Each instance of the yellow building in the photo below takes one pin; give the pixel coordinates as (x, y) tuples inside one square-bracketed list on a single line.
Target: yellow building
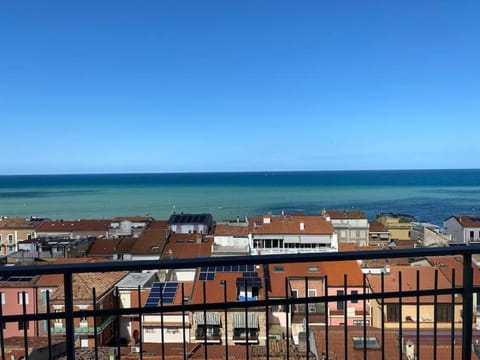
[(398, 225)]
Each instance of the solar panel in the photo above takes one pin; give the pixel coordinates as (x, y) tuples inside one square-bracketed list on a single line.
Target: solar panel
[(210, 276), (162, 293)]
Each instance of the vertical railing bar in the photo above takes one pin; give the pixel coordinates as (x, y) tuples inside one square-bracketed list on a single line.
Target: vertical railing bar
[(162, 287), (118, 321), (435, 313), (382, 305), (69, 321), (452, 323), (204, 325), (267, 313), (49, 330), (226, 315), (287, 314), (364, 317), (400, 323), (307, 325), (183, 323), (467, 306), (327, 325), (95, 335), (140, 321), (417, 342), (25, 324), (345, 318), (246, 318), (2, 324)]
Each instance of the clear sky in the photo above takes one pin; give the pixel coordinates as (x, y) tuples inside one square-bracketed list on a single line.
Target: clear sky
[(155, 86)]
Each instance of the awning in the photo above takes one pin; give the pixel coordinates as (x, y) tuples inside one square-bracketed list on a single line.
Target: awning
[(239, 321), (212, 318)]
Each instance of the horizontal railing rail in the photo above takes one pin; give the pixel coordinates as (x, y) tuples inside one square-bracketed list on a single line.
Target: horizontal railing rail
[(69, 315)]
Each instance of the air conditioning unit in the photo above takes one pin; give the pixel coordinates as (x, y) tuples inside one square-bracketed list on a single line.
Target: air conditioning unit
[(135, 349)]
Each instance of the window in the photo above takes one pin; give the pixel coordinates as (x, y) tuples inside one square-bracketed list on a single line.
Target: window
[(278, 268), (10, 238), (354, 292), (471, 235), (369, 343), (2, 296), (294, 293), (393, 312), (22, 325), (340, 303), (58, 321), (361, 323), (11, 248), (312, 292), (312, 269), (20, 298), (444, 312)]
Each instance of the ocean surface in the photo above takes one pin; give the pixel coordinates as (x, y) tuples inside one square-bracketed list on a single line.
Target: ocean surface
[(429, 195)]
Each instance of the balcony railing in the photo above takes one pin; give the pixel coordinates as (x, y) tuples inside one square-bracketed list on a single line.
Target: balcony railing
[(312, 343)]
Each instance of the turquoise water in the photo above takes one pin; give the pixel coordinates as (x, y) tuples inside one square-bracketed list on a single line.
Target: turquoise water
[(430, 195)]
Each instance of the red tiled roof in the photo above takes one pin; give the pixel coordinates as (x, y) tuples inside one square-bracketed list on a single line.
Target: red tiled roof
[(230, 230), (468, 220), (376, 226), (336, 342), (18, 223), (336, 270), (152, 240), (103, 247), (290, 224), (74, 225), (409, 283), (183, 246)]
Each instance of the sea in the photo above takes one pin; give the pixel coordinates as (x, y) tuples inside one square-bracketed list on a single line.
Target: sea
[(428, 195)]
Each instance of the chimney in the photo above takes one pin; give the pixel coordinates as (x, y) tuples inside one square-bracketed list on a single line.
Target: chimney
[(302, 226)]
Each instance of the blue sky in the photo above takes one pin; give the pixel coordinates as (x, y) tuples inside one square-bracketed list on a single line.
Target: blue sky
[(155, 86)]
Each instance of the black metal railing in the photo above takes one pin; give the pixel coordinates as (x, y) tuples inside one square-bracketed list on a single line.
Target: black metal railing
[(458, 333)]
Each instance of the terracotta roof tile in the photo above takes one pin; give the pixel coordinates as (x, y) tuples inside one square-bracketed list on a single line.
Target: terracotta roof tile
[(74, 225), (409, 283), (18, 223), (376, 226), (83, 283), (152, 240), (336, 342), (103, 247), (290, 224), (231, 230), (183, 246), (468, 220)]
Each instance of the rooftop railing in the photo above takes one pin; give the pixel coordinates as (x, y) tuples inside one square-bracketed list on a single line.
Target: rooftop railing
[(408, 329)]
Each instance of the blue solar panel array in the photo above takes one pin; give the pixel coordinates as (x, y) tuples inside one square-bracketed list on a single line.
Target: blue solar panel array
[(162, 291), (207, 273)]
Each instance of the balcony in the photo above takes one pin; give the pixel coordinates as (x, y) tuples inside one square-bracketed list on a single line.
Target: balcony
[(391, 331)]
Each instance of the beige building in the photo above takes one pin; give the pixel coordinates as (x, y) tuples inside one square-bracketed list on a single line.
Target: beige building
[(399, 226), (13, 230), (406, 313), (350, 226)]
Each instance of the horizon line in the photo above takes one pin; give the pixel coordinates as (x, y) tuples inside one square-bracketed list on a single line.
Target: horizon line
[(237, 172)]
